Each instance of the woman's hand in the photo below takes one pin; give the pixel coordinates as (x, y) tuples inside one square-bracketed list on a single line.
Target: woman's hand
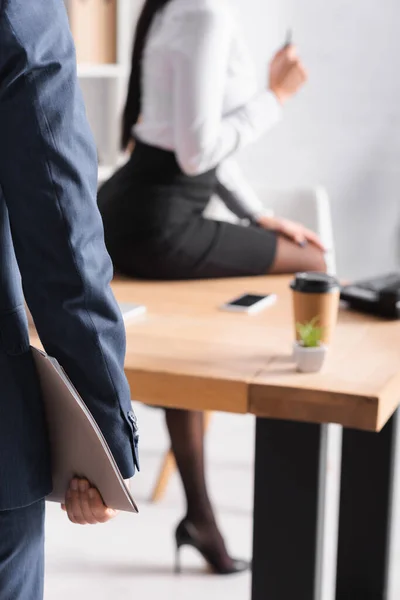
[(287, 74), (292, 230), (84, 505)]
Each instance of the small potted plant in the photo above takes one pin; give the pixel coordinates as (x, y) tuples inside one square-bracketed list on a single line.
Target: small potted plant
[(309, 351)]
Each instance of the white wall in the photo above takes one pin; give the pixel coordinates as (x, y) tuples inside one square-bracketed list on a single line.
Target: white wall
[(343, 130)]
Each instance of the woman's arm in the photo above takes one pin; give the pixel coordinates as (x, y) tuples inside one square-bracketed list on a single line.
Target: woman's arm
[(199, 63), (237, 194)]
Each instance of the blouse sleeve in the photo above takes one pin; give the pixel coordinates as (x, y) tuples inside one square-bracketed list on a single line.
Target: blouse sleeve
[(237, 194), (203, 136)]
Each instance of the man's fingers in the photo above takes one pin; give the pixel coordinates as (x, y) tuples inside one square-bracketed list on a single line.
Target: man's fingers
[(68, 508), (85, 502), (76, 509), (73, 503), (100, 512)]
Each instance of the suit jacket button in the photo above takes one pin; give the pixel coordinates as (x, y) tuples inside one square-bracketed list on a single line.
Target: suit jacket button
[(133, 419)]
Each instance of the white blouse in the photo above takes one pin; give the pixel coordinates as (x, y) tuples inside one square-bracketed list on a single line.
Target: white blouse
[(200, 97)]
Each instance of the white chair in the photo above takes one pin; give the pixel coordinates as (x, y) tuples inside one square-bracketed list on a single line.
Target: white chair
[(309, 206)]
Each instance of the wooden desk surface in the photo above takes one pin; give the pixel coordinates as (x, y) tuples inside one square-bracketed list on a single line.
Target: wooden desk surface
[(187, 353)]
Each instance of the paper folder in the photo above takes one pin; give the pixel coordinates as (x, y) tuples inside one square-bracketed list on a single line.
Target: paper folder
[(78, 447)]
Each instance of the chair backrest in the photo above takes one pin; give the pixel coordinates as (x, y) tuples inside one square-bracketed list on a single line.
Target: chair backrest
[(309, 206)]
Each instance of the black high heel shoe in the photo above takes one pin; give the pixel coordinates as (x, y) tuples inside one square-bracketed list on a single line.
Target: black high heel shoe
[(186, 534)]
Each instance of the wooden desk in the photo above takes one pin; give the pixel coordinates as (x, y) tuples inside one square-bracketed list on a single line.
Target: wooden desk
[(186, 353)]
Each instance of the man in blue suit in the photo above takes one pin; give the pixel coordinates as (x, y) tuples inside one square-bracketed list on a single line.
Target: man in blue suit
[(52, 254)]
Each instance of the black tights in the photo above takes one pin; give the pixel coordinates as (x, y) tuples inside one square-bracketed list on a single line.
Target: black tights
[(186, 430)]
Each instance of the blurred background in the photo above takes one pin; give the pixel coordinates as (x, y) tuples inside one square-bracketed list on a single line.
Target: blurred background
[(342, 131)]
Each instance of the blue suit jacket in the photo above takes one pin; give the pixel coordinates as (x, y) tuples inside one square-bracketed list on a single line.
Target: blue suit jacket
[(51, 251)]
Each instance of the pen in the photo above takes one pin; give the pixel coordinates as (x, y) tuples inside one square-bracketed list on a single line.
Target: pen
[(289, 38)]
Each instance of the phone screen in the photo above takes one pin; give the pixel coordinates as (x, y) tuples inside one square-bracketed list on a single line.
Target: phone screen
[(247, 300)]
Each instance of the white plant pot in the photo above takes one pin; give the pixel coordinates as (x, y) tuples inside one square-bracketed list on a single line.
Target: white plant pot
[(309, 360)]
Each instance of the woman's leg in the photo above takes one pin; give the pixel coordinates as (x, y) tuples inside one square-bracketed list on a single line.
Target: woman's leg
[(186, 430), (292, 258)]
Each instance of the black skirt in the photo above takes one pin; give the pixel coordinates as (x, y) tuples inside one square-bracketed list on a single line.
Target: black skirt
[(155, 229)]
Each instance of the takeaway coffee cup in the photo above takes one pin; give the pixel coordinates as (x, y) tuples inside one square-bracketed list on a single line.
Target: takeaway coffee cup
[(316, 296)]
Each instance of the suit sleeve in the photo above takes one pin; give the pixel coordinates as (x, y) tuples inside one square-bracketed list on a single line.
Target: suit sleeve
[(48, 174)]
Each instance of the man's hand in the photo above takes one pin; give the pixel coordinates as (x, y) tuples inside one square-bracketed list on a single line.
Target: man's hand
[(84, 505)]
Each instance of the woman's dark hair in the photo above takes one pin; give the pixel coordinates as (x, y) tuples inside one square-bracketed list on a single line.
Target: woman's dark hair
[(133, 101)]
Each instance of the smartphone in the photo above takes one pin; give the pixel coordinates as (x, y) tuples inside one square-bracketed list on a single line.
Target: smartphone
[(250, 303)]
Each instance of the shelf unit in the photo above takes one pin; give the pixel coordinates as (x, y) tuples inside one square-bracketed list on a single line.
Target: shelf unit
[(104, 89)]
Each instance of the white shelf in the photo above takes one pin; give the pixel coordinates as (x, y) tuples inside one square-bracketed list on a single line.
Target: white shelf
[(104, 90), (111, 71)]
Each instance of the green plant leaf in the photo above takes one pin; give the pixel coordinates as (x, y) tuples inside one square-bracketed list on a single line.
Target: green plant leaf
[(309, 334)]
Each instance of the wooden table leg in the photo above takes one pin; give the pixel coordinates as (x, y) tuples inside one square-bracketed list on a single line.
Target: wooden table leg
[(166, 471), (365, 557), (286, 508)]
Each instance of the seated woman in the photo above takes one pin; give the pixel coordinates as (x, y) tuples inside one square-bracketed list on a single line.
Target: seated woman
[(193, 85)]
